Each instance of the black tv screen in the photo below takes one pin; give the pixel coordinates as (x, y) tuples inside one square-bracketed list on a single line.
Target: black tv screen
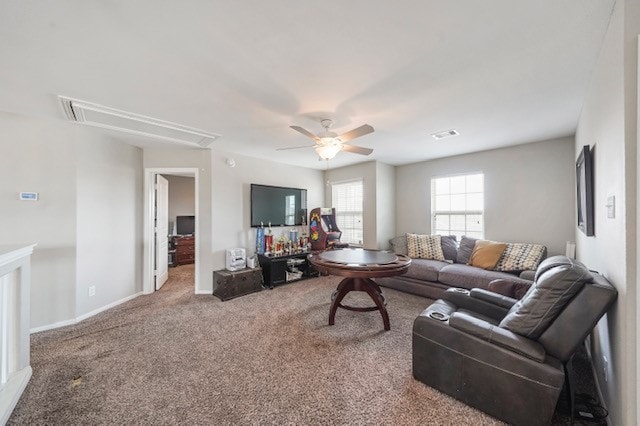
[(185, 225), (277, 205)]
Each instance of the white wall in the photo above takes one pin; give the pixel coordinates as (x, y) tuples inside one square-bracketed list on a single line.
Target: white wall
[(182, 197), (529, 192), (109, 222), (230, 201), (607, 124), (200, 159)]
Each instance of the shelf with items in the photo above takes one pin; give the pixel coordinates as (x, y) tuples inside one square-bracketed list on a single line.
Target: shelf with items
[(278, 270)]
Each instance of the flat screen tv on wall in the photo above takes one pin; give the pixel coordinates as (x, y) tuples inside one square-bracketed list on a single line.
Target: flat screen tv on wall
[(584, 183), (277, 205)]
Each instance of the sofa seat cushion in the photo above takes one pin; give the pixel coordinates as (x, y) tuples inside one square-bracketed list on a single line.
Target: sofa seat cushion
[(465, 276), (425, 269)]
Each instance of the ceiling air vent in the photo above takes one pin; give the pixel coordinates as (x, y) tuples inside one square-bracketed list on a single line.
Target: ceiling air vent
[(447, 134), (111, 118)]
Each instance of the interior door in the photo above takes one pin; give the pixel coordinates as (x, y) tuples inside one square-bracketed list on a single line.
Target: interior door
[(161, 231)]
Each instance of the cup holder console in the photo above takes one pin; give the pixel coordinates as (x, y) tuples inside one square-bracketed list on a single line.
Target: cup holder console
[(438, 316), (461, 290)]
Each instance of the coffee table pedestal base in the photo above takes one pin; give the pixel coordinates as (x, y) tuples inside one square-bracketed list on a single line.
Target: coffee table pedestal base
[(359, 284)]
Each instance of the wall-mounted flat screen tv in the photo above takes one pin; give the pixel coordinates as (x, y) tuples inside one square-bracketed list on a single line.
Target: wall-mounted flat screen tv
[(277, 205)]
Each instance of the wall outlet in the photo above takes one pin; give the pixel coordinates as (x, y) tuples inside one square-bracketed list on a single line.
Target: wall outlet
[(92, 291), (605, 368)]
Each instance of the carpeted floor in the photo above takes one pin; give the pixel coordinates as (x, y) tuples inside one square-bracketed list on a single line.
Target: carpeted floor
[(266, 358)]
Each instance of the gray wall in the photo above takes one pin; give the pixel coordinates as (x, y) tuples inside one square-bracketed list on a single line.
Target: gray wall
[(109, 223), (86, 222), (200, 159), (182, 197), (385, 204), (608, 124), (39, 156), (231, 202), (366, 172), (529, 192), (378, 181)]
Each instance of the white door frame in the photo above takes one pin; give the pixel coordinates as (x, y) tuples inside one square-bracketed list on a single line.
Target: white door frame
[(150, 173)]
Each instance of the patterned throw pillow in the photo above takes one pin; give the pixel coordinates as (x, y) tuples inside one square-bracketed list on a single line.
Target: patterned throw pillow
[(521, 257), (425, 247)]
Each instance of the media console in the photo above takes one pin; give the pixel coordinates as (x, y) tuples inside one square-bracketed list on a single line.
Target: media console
[(278, 270)]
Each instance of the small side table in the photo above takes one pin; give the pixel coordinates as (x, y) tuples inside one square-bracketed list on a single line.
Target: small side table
[(230, 284)]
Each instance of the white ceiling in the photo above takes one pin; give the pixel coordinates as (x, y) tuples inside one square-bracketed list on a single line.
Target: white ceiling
[(501, 72)]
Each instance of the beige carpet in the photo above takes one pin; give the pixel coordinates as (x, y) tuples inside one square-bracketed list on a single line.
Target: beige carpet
[(266, 358)]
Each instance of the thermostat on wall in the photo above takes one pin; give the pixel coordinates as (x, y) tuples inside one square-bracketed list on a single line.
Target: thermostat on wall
[(29, 196)]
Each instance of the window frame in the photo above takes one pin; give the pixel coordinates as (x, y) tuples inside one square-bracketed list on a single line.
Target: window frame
[(339, 213), (450, 212)]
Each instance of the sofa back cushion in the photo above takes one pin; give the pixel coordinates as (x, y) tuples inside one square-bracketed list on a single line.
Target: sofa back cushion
[(465, 249), (521, 257), (558, 279), (486, 254), (449, 247), (425, 246), (399, 245)]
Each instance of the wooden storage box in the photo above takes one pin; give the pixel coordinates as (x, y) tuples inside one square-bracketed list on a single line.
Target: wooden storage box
[(227, 284)]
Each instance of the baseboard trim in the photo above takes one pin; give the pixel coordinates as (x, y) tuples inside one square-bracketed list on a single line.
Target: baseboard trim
[(587, 347), (84, 316), (209, 292)]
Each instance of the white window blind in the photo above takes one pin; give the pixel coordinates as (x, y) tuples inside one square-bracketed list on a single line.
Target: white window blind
[(347, 199), (457, 205)]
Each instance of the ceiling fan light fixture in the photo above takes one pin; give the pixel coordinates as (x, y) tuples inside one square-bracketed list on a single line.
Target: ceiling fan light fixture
[(327, 152)]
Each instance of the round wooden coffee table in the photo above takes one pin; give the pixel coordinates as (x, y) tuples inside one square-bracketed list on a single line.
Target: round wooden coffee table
[(359, 266)]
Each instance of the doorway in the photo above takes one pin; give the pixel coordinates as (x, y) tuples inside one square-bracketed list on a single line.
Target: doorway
[(151, 198)]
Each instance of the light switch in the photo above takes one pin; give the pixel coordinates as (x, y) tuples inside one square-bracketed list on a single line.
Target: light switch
[(611, 207)]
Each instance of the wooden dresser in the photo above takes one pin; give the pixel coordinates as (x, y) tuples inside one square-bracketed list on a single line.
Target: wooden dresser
[(185, 249)]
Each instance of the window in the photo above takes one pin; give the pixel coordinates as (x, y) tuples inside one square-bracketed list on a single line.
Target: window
[(289, 209), (457, 205), (347, 199)]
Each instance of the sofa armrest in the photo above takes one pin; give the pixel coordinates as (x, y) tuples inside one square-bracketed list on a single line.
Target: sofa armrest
[(461, 298), (498, 336), (494, 298), (512, 289)]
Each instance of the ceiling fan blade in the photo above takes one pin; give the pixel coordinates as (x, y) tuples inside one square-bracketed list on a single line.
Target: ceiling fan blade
[(356, 133), (305, 132), (356, 149), (295, 147)]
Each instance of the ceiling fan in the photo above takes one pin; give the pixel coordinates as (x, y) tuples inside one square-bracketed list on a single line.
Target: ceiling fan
[(328, 143)]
